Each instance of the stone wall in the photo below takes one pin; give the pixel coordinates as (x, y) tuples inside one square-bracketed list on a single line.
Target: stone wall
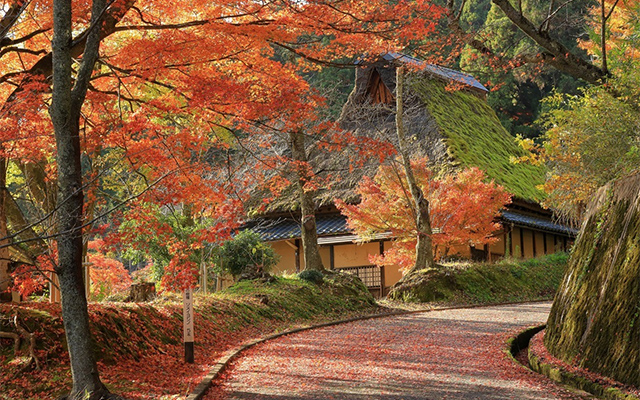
[(595, 319)]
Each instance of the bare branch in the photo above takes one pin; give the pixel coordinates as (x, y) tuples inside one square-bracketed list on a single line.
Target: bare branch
[(11, 42), (545, 24), (11, 17), (21, 50)]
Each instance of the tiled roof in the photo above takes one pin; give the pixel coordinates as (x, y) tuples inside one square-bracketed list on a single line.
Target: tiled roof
[(336, 224), (443, 72), (539, 223), (287, 228)]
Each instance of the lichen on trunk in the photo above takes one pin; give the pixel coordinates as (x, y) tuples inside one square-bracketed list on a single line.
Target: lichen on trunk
[(595, 319), (4, 249), (424, 245), (312, 259)]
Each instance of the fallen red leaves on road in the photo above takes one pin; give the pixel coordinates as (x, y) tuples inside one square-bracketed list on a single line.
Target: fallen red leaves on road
[(455, 354)]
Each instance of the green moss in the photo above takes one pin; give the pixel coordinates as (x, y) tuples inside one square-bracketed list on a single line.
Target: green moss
[(561, 375), (475, 137), (593, 322)]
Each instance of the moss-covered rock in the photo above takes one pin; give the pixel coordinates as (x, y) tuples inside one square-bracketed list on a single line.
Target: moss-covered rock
[(595, 319), (423, 286)]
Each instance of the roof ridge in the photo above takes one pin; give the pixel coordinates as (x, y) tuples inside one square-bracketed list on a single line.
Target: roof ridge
[(443, 72)]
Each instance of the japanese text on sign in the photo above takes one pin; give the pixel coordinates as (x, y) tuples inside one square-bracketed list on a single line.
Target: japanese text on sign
[(187, 313)]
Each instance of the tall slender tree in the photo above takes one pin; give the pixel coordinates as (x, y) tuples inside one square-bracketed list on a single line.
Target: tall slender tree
[(424, 243), (67, 98), (308, 229)]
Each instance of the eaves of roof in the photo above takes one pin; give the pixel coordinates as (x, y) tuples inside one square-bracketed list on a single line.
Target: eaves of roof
[(287, 228), (538, 223), (332, 228)]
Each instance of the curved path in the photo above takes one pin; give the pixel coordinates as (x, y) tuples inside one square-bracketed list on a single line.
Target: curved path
[(449, 354)]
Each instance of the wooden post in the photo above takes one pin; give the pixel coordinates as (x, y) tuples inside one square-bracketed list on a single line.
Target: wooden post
[(187, 323), (505, 242), (87, 277), (297, 243), (382, 277), (332, 257), (533, 234), (54, 288)]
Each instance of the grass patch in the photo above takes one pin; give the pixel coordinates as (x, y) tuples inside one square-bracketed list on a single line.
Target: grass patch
[(483, 283), (139, 346)]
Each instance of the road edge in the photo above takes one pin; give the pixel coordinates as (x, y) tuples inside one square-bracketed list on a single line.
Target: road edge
[(558, 374)]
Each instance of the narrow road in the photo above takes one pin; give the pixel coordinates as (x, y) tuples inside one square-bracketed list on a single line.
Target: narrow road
[(451, 354)]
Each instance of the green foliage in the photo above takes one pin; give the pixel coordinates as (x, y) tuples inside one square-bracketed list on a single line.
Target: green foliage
[(334, 84), (150, 238), (591, 139), (311, 275), (246, 253), (475, 137), (483, 283), (517, 92)]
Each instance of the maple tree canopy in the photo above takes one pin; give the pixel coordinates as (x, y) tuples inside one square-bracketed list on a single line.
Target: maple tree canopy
[(462, 206), (174, 84)]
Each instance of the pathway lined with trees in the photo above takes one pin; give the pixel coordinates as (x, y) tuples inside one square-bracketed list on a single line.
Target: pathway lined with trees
[(449, 354)]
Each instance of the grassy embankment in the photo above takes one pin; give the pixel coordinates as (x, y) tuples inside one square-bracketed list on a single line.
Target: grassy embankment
[(483, 283)]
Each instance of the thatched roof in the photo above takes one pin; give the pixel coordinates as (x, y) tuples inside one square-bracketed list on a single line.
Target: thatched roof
[(452, 127)]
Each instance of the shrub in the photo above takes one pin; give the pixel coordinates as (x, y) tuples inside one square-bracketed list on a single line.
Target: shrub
[(311, 275), (246, 254)]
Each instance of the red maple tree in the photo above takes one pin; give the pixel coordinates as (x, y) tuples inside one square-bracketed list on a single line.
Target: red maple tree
[(463, 208)]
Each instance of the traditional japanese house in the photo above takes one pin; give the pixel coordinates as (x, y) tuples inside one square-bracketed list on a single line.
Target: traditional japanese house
[(450, 122)]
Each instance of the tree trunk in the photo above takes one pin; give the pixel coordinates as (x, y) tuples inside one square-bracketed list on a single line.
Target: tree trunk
[(65, 114), (312, 258), (424, 245), (142, 292), (4, 249)]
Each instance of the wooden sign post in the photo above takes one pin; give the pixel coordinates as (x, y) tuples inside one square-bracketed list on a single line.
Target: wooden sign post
[(187, 322)]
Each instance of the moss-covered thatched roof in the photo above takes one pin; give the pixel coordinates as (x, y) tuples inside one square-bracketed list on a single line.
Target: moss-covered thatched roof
[(453, 127), (474, 136)]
